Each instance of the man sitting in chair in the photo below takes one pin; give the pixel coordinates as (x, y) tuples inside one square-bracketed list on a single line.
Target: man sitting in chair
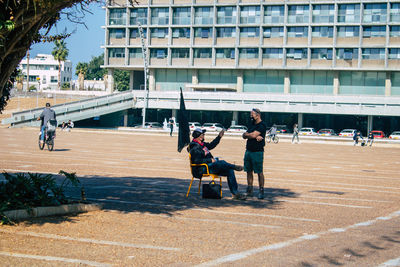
[(200, 153)]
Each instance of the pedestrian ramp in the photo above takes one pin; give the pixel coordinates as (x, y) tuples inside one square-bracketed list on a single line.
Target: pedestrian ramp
[(78, 110)]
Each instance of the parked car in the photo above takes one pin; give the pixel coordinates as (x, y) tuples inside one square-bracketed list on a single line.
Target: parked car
[(307, 131), (326, 132), (282, 129), (212, 127), (152, 125), (395, 135), (237, 129), (348, 132), (378, 134), (194, 125)]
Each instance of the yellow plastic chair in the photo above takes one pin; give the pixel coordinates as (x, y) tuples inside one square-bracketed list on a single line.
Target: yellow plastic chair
[(207, 174)]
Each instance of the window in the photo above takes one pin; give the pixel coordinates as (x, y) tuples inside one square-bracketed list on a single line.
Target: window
[(299, 32), (117, 16), (323, 13), (273, 32), (159, 33), (374, 31), (135, 33), (203, 32), (117, 33), (181, 16), (394, 53), (159, 53), (375, 12), (296, 53), (348, 31), (273, 53), (227, 53), (250, 14), (203, 15), (116, 52), (321, 53), (53, 79), (135, 53), (226, 15), (138, 15), (394, 31), (248, 53), (274, 14), (160, 16), (298, 14), (347, 53), (349, 13), (249, 32), (395, 12), (226, 32), (180, 52), (181, 33), (373, 53), (322, 32), (202, 53)]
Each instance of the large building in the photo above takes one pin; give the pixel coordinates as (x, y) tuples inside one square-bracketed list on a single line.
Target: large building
[(43, 72), (297, 48)]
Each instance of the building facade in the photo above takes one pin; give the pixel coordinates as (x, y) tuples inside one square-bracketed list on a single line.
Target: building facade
[(330, 48), (43, 72)]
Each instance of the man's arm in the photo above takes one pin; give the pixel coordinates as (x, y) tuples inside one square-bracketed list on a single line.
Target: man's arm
[(252, 135), (214, 142)]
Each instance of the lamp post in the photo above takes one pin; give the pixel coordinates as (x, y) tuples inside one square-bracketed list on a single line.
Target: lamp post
[(37, 93), (146, 75)]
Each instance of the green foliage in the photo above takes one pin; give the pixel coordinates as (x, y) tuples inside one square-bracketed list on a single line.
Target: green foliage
[(94, 71), (66, 86), (121, 78), (21, 191), (81, 68), (32, 88)]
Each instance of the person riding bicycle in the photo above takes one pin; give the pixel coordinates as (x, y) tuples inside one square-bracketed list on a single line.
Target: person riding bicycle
[(272, 132), (46, 116)]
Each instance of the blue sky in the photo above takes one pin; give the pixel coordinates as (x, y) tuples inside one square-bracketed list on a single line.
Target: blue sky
[(84, 43)]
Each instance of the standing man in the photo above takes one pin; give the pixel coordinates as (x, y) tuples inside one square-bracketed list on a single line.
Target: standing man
[(254, 155), (47, 115), (171, 126), (370, 138), (295, 133)]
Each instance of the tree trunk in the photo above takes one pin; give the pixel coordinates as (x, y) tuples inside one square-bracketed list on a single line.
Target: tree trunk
[(59, 75)]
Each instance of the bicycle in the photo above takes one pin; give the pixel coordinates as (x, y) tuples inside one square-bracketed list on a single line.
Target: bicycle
[(270, 138), (49, 136)]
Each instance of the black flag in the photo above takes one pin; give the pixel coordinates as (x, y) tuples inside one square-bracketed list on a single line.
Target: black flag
[(184, 132)]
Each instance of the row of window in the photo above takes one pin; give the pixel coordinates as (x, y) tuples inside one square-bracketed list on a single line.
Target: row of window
[(320, 13), (43, 80), (268, 32), (268, 53)]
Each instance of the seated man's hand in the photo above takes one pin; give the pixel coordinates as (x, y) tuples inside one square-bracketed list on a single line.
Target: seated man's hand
[(221, 133), (213, 160), (259, 138)]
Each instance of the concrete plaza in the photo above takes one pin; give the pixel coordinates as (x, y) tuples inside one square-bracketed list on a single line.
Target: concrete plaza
[(326, 204)]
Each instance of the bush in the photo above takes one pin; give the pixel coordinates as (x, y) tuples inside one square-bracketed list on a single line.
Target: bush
[(21, 191)]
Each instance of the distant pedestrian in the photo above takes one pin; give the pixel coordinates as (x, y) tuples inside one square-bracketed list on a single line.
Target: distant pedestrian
[(370, 138), (69, 126), (356, 137), (171, 126), (295, 133)]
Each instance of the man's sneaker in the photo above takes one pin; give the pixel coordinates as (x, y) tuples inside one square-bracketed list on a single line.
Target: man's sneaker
[(261, 194), (249, 191), (239, 196), (238, 168)]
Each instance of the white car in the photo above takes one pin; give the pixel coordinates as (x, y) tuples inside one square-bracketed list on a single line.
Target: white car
[(213, 127), (348, 132), (307, 131), (194, 125), (395, 135), (237, 129)]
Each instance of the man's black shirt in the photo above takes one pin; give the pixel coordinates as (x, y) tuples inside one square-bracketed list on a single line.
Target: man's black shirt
[(252, 144)]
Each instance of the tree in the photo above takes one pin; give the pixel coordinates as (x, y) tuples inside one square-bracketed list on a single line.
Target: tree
[(60, 53), (94, 69), (81, 68), (23, 23)]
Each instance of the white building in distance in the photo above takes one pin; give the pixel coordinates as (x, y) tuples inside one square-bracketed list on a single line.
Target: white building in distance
[(43, 72)]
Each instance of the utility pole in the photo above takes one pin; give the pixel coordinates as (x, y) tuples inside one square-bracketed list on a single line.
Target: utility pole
[(146, 74), (27, 73)]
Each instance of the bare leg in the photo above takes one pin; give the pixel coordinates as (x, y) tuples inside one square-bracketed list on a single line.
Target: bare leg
[(260, 180), (249, 191)]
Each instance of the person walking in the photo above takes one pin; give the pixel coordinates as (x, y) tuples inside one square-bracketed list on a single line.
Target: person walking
[(254, 154), (295, 133), (171, 126)]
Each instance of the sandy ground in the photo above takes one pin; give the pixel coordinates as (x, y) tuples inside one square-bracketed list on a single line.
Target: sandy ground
[(325, 205)]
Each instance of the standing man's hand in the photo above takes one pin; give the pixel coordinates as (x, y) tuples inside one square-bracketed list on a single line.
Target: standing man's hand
[(259, 138), (221, 133)]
